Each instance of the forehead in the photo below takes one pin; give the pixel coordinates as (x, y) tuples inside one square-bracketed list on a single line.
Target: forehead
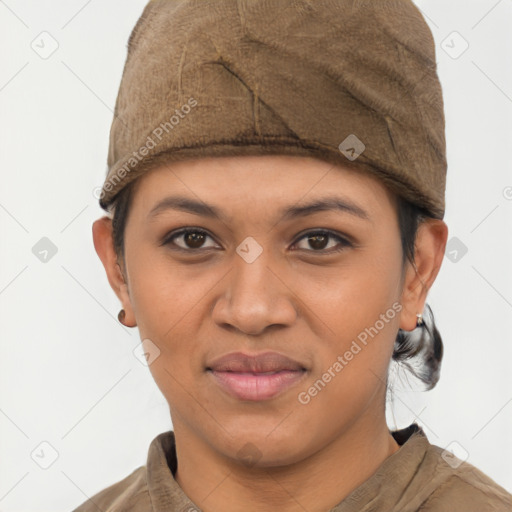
[(238, 184)]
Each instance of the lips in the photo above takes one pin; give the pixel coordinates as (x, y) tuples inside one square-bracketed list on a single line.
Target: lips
[(255, 377), (260, 363)]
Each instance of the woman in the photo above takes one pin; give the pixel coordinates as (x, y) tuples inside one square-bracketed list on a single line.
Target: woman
[(276, 194)]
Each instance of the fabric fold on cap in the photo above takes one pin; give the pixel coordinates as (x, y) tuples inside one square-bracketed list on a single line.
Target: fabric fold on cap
[(350, 82)]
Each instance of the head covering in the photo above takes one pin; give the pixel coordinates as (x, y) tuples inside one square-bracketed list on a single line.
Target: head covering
[(351, 82)]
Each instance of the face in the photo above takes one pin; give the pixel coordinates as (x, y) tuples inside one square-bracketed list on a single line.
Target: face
[(269, 293)]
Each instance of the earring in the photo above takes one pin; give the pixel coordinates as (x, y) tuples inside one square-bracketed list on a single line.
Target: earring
[(121, 316), (419, 321)]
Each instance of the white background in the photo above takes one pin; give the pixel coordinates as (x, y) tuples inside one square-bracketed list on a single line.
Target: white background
[(67, 372)]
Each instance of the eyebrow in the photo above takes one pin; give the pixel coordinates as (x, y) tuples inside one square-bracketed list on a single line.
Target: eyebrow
[(331, 203)]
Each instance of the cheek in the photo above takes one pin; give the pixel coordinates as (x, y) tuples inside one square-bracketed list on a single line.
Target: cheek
[(352, 297), (169, 306), (353, 357), (359, 309), (162, 292)]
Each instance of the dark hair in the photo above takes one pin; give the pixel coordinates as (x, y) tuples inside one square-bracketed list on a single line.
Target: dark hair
[(420, 351)]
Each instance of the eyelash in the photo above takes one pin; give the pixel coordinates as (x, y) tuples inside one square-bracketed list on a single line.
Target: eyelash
[(168, 240)]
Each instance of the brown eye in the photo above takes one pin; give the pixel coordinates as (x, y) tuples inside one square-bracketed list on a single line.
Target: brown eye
[(194, 239), (319, 240), (190, 239)]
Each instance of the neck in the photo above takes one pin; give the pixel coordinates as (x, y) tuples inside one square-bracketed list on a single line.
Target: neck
[(217, 483)]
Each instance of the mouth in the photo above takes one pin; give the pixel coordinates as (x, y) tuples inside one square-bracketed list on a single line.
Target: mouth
[(256, 377)]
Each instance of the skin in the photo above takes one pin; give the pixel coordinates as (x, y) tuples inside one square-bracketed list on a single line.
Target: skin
[(297, 298)]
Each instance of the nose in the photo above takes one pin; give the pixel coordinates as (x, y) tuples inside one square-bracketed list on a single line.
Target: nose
[(256, 295)]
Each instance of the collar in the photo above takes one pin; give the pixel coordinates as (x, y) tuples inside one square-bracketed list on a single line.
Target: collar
[(380, 492)]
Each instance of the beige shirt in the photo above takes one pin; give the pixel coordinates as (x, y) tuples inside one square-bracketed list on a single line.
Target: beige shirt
[(415, 478)]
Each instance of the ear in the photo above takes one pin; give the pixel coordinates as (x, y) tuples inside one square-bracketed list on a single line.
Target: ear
[(430, 246), (104, 245)]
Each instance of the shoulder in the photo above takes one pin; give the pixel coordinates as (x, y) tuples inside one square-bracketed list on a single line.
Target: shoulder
[(461, 487), (129, 494)]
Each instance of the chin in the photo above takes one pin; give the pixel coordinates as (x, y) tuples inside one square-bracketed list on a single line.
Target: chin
[(253, 447)]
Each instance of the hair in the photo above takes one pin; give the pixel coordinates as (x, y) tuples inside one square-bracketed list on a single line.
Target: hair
[(420, 352)]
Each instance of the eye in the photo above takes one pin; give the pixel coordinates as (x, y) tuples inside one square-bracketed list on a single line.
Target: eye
[(191, 238), (194, 239), (318, 240)]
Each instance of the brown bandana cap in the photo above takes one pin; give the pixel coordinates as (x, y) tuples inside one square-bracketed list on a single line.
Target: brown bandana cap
[(351, 82)]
